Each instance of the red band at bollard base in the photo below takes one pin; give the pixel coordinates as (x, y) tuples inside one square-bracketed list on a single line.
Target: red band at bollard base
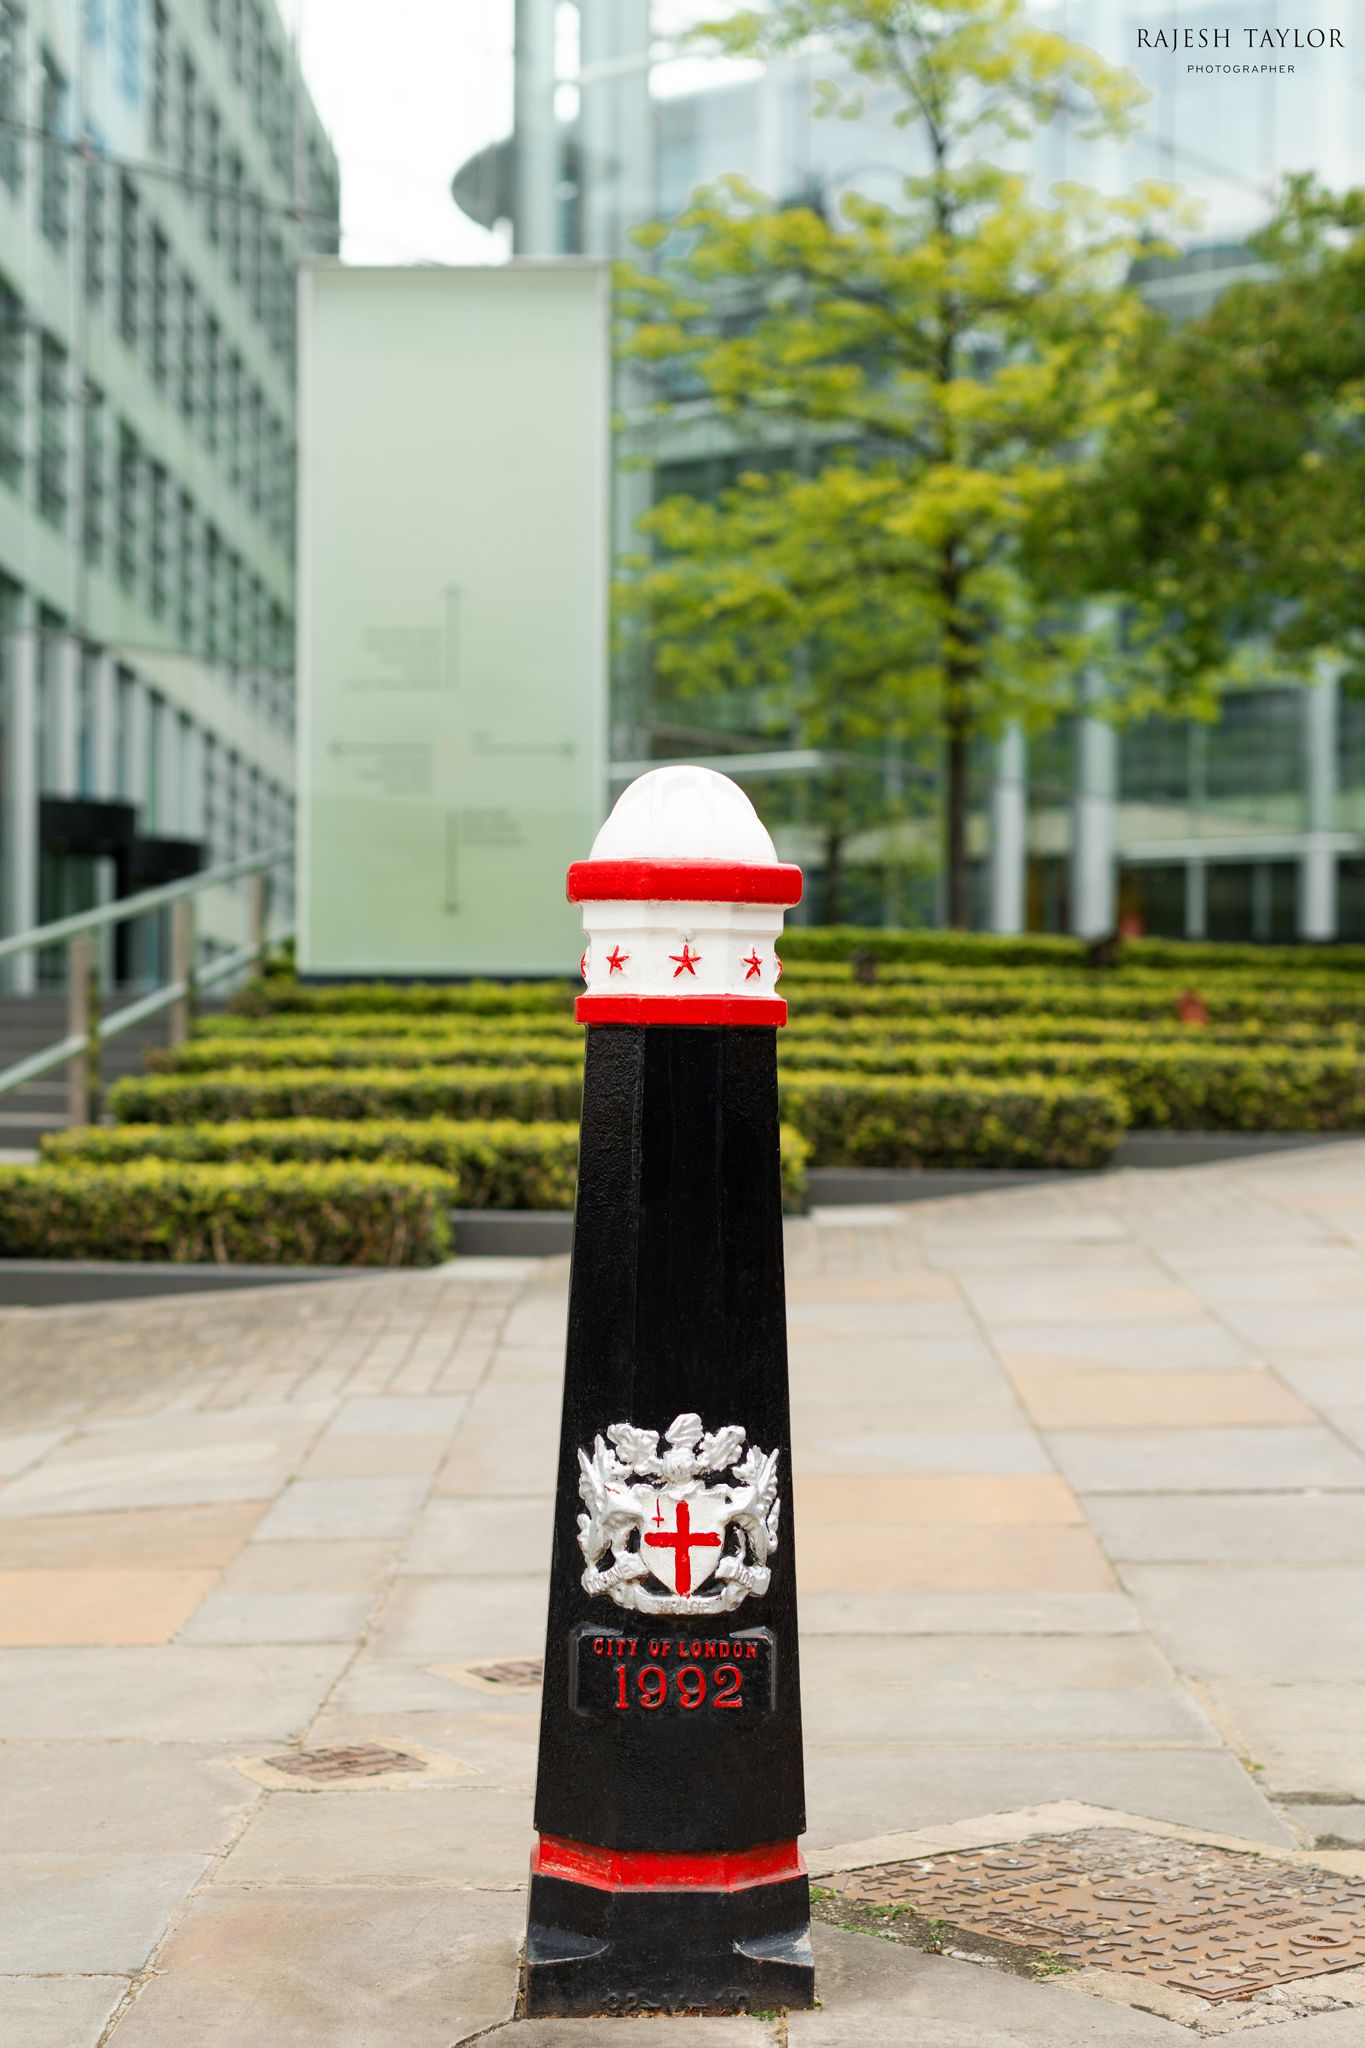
[(720, 1009), (621, 1870)]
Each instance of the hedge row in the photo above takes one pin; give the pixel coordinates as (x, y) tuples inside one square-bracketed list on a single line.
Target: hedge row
[(1041, 949), (223, 1025), (849, 1118), (802, 978), (336, 1215), (1236, 1000), (886, 1046), (212, 1055), (948, 1121), (476, 998), (503, 1165), (528, 1094), (1189, 1086)]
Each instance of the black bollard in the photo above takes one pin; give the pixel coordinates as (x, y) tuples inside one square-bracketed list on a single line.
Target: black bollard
[(667, 1873)]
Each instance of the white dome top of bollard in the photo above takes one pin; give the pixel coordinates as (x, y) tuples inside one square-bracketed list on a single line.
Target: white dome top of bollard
[(682, 901), (684, 814)]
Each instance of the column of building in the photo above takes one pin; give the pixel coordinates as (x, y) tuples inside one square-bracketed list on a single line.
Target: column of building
[(1007, 909), (1317, 908), (1094, 821)]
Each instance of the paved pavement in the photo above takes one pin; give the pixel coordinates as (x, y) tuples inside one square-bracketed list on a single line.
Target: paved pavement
[(1081, 1497)]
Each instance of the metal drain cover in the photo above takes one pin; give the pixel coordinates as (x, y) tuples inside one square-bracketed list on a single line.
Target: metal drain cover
[(512, 1674), (1211, 1921), (359, 1760)]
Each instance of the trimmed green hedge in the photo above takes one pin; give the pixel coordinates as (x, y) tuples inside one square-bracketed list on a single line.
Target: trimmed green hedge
[(221, 1026), (529, 1094), (1317, 1000), (448, 1092), (152, 1209), (1191, 1085), (477, 998), (1042, 949), (950, 1122), (212, 1055), (1342, 1003), (502, 1165), (878, 1044)]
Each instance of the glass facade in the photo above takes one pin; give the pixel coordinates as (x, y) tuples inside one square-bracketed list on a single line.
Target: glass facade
[(1226, 829), (159, 185)]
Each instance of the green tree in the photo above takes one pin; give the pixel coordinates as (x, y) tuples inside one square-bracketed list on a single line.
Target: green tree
[(1230, 510), (916, 383)]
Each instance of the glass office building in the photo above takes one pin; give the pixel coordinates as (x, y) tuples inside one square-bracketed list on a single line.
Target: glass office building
[(1253, 827), (162, 172)]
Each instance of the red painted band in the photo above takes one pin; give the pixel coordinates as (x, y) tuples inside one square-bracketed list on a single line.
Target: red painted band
[(683, 881), (681, 1010), (628, 1870)]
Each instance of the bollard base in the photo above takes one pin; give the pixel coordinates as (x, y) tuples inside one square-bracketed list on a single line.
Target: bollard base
[(667, 1949)]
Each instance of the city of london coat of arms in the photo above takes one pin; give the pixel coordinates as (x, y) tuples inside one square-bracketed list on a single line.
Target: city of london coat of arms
[(682, 1539)]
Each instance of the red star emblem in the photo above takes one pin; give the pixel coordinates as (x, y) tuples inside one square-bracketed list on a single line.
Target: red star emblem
[(687, 961), (754, 965), (616, 960), (777, 968), (583, 965)]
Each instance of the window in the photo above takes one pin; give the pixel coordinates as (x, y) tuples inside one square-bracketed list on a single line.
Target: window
[(161, 310), (232, 414), (153, 792), (85, 723), (254, 449), (128, 508), (130, 263), (54, 199), (213, 593), (124, 687), (213, 170), (52, 410), (159, 589), (93, 486), (187, 133), (232, 216), (187, 603), (189, 345), (182, 796), (48, 736), (11, 96), (161, 77), (96, 249), (13, 332), (212, 383)]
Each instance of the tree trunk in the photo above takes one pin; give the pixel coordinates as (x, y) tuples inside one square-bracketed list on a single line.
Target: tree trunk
[(834, 867), (955, 835)]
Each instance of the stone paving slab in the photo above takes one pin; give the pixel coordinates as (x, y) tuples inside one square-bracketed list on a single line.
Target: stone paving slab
[(333, 1966), (58, 2012), (89, 1915), (1081, 1505)]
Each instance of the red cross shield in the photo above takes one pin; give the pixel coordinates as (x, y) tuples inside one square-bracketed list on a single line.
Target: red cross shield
[(683, 1537)]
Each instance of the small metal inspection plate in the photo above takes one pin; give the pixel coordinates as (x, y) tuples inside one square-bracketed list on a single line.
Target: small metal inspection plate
[(358, 1760), (1210, 1921)]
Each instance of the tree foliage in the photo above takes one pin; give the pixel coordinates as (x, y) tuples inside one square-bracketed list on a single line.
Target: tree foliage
[(1230, 509), (918, 383)]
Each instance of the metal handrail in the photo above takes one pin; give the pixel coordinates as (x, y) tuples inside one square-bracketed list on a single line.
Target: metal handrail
[(86, 1030), (134, 906)]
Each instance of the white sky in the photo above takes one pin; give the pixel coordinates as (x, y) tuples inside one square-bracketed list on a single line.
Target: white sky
[(407, 90)]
